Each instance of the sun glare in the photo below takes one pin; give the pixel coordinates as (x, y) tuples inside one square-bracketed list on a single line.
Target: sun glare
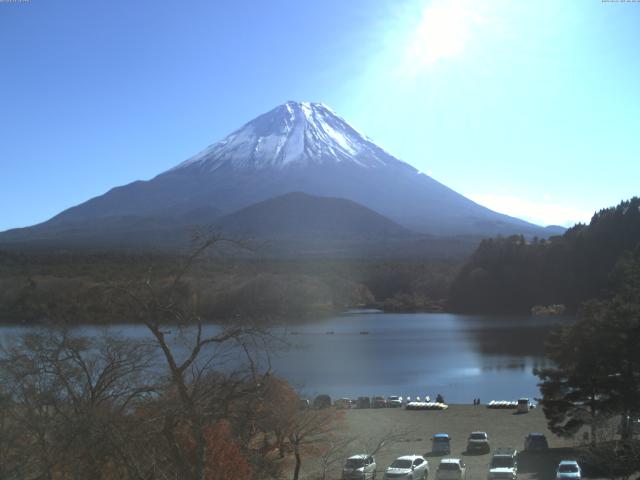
[(443, 31)]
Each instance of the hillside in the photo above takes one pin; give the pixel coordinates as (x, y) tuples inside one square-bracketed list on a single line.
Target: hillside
[(512, 274), (298, 214)]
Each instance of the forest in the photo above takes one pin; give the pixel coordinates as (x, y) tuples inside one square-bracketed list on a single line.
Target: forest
[(79, 288), (513, 274)]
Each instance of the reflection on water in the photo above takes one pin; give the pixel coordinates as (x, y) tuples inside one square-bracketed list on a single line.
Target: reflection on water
[(460, 356)]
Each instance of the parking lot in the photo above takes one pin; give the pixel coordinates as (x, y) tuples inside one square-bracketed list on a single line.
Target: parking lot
[(504, 427)]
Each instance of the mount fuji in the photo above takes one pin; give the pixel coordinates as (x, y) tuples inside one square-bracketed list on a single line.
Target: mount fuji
[(296, 147)]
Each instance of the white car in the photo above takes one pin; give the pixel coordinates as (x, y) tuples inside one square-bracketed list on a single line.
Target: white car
[(504, 465), (451, 469), (394, 401), (409, 467), (568, 470), (359, 467)]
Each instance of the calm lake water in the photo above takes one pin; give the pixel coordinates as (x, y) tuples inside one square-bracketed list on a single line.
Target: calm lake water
[(459, 356)]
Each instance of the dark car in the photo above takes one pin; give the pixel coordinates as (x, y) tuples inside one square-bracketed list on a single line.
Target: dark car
[(379, 402), (363, 402), (322, 401), (535, 442)]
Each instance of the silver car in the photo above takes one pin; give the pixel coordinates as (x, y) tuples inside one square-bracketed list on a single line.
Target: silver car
[(568, 470), (408, 467), (478, 442), (451, 469), (359, 467)]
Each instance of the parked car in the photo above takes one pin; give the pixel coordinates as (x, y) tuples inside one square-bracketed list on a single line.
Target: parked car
[(523, 405), (478, 442), (394, 401), (535, 442), (379, 402), (451, 469), (360, 467), (363, 402), (568, 470), (322, 401), (441, 443), (504, 464), (342, 403), (410, 467), (629, 426)]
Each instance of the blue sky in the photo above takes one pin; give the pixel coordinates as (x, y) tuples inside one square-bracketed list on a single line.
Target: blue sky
[(531, 108)]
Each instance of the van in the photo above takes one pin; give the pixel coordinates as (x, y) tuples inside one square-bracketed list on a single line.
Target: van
[(441, 444), (523, 405)]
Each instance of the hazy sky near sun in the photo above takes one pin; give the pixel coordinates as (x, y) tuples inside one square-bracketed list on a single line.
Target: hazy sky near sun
[(530, 108)]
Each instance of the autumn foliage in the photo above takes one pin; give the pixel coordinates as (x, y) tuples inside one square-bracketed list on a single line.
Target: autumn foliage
[(224, 457)]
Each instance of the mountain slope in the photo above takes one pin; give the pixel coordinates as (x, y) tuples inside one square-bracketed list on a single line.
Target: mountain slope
[(296, 147), (301, 215)]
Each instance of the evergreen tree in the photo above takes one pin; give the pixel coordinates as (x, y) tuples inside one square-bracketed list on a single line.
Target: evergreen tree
[(596, 372)]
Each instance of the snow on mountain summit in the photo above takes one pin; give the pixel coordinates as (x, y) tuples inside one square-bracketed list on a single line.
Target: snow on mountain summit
[(290, 134), (296, 147)]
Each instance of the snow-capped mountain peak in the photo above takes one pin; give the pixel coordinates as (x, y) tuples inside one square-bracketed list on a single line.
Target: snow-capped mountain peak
[(292, 133), (296, 147)]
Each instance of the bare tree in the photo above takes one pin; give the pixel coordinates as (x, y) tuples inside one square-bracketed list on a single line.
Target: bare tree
[(214, 372), (386, 440), (309, 431), (333, 455), (184, 403), (69, 399), (11, 460), (336, 449)]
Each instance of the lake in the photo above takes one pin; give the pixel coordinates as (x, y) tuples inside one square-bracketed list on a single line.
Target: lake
[(460, 356)]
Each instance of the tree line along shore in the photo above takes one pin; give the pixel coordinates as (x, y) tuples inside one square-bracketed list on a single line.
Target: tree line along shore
[(505, 275)]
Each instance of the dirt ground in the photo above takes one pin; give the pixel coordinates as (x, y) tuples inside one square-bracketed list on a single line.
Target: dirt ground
[(504, 427)]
